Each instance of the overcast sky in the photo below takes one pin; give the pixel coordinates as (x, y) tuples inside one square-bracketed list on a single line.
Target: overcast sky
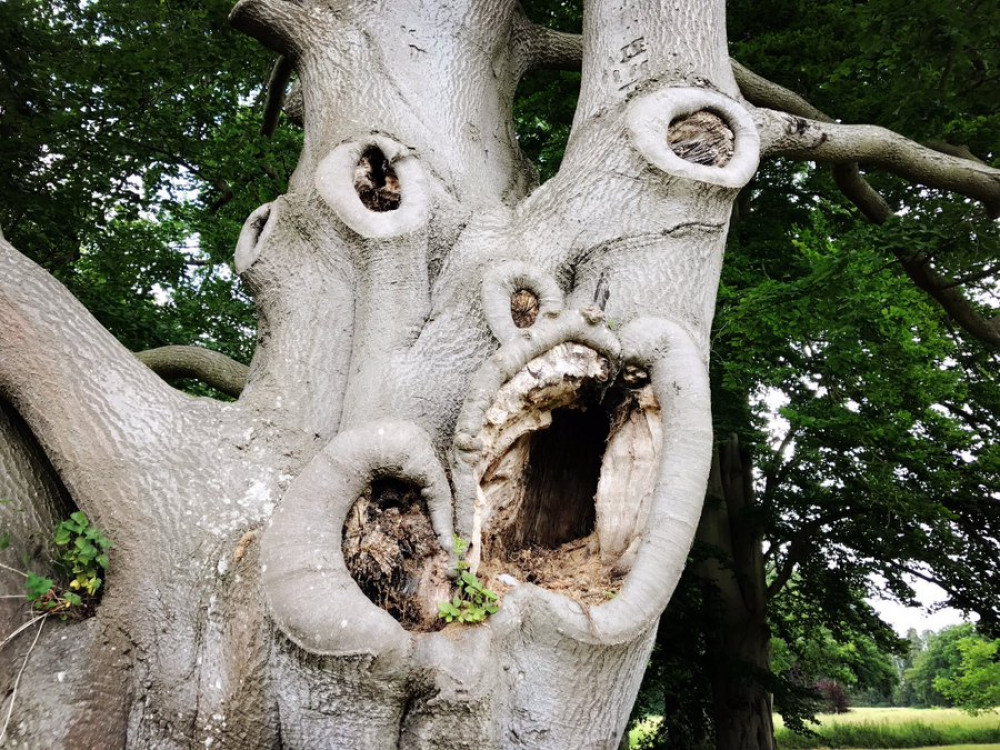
[(903, 618)]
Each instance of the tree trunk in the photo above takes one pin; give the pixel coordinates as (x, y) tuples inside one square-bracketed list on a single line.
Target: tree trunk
[(442, 350), (735, 595)]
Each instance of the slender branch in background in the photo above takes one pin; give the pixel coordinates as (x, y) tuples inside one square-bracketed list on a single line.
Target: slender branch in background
[(212, 368), (281, 73), (941, 165), (772, 478), (800, 543)]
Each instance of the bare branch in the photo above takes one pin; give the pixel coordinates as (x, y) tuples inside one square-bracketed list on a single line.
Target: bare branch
[(762, 92), (870, 144), (948, 294), (545, 49), (85, 397), (212, 368), (960, 150), (281, 73), (278, 24), (836, 143)]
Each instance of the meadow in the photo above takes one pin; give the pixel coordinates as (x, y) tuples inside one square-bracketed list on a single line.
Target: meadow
[(877, 728)]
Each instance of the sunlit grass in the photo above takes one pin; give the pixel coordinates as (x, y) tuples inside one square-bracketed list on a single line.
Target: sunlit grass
[(878, 728), (875, 728)]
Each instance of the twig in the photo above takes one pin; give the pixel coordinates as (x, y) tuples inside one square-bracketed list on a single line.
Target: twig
[(25, 626), (14, 570), (17, 682)]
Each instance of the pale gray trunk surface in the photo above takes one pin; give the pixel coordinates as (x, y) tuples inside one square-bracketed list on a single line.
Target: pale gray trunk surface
[(442, 350)]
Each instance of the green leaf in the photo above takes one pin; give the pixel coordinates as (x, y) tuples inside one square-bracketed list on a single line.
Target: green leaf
[(38, 586), (74, 600)]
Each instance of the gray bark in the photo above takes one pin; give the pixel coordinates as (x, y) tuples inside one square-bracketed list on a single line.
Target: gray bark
[(388, 367)]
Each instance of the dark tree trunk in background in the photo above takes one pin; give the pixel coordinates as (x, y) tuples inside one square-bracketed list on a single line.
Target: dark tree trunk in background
[(735, 602)]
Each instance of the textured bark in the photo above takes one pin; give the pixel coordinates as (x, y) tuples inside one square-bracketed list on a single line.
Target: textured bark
[(394, 368), (738, 646), (214, 369)]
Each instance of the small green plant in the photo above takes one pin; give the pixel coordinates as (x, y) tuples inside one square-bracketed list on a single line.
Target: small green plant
[(474, 602), (82, 558)]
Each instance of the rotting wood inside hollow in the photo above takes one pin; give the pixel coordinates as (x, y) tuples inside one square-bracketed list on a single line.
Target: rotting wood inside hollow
[(376, 182), (702, 138), (524, 306), (539, 494), (394, 556)]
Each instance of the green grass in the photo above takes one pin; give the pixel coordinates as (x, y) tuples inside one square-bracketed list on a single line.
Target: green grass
[(876, 728)]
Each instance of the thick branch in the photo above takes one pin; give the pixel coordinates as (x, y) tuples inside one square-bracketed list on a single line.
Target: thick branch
[(938, 165), (278, 24), (545, 49), (85, 397), (214, 369), (761, 92), (836, 143)]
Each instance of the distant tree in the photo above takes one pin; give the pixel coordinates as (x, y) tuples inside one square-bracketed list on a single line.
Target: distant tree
[(975, 684), (939, 664)]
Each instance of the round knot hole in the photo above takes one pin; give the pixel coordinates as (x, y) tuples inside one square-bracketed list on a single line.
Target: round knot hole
[(376, 182), (702, 138), (524, 308)]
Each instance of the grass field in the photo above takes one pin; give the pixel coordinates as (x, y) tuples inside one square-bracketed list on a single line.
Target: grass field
[(876, 728)]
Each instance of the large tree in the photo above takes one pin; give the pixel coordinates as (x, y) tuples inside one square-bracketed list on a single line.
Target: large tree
[(442, 350)]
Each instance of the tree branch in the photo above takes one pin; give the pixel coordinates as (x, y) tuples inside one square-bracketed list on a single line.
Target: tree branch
[(798, 547), (280, 25), (544, 49), (212, 368), (85, 397), (939, 164), (281, 73), (761, 92), (947, 167), (836, 143)]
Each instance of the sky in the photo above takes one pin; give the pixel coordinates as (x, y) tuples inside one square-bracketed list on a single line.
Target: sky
[(903, 618)]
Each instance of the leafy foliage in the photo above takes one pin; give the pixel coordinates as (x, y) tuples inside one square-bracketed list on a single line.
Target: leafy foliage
[(474, 602), (976, 683), (82, 558)]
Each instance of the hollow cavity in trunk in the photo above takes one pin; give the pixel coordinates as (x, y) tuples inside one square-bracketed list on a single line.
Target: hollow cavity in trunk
[(566, 476), (394, 556), (703, 138), (376, 182)]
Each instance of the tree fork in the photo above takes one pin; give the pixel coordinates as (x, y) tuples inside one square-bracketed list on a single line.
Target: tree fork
[(390, 364)]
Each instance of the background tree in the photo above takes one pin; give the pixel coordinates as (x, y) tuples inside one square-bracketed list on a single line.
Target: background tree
[(975, 685)]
